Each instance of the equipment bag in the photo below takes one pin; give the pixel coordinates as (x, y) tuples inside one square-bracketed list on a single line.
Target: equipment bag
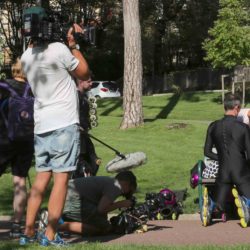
[(19, 119)]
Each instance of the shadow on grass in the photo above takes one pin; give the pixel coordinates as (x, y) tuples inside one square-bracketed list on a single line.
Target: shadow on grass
[(112, 104), (217, 99), (190, 97), (116, 104), (167, 109)]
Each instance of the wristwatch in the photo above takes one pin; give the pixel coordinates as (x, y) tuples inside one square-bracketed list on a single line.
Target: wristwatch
[(75, 46)]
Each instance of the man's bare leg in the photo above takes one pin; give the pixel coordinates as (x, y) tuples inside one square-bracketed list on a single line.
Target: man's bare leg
[(82, 228), (73, 227), (20, 198), (56, 203), (35, 199)]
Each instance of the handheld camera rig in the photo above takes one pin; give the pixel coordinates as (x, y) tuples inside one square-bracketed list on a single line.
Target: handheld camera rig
[(164, 205), (50, 26)]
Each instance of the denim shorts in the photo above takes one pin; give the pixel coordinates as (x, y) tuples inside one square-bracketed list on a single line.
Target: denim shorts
[(58, 150)]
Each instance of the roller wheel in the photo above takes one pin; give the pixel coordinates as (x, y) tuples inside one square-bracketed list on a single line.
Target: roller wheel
[(174, 216), (224, 217), (159, 216)]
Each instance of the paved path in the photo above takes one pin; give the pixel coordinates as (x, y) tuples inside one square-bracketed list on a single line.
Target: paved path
[(181, 232), (185, 233)]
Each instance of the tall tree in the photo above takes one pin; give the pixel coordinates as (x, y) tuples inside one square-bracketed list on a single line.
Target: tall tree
[(132, 92), (229, 42), (193, 23), (10, 27), (173, 32)]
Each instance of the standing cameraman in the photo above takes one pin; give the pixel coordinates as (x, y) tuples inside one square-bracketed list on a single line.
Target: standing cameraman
[(50, 68)]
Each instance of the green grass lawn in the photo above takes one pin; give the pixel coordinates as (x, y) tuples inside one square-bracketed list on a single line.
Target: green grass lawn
[(100, 246), (171, 153)]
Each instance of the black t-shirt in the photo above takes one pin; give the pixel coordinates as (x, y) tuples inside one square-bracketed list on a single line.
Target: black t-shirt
[(93, 189)]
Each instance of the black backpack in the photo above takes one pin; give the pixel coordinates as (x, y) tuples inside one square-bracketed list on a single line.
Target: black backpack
[(17, 112)]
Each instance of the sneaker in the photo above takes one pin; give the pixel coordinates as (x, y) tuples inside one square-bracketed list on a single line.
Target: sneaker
[(24, 239), (243, 208), (15, 231), (43, 221), (58, 241), (207, 209)]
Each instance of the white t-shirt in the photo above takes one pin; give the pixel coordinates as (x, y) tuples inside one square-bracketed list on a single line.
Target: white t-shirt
[(47, 70), (243, 117)]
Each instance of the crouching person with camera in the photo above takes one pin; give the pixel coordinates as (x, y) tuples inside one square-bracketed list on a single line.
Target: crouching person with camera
[(50, 68), (90, 199)]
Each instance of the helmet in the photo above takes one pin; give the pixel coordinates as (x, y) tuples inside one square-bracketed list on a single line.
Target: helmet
[(194, 180), (169, 196)]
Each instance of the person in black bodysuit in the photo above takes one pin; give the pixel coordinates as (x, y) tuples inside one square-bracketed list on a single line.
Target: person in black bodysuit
[(231, 138), (88, 158)]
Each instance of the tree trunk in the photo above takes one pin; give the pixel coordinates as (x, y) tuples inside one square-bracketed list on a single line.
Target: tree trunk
[(132, 92)]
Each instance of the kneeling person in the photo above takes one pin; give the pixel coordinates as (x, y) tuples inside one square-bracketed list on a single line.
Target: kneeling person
[(231, 139), (90, 199)]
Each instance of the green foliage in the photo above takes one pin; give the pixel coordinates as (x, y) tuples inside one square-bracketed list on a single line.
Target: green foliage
[(229, 42), (173, 31)]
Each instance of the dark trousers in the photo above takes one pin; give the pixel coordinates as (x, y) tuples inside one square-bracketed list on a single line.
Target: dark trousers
[(88, 154), (223, 192)]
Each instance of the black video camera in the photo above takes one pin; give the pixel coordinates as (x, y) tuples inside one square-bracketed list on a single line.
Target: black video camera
[(49, 26), (130, 219)]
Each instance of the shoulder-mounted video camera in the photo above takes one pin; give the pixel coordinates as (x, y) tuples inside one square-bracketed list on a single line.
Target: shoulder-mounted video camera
[(50, 26)]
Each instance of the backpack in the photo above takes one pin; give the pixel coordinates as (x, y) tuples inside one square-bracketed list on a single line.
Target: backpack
[(18, 119)]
